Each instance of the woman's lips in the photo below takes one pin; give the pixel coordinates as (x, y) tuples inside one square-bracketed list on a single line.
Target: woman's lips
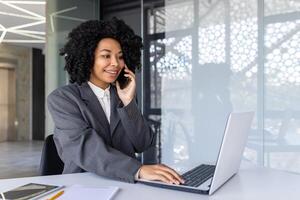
[(113, 72)]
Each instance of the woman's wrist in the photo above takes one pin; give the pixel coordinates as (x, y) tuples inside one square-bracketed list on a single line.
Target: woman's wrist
[(126, 101)]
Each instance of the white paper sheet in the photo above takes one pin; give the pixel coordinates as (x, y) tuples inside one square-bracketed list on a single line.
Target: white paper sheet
[(91, 193)]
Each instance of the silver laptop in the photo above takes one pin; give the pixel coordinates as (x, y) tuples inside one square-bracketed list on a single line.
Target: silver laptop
[(205, 178)]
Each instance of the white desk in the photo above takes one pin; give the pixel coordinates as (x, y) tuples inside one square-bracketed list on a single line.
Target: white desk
[(249, 184)]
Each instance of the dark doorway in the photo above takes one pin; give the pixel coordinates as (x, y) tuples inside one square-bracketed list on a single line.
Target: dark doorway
[(38, 94)]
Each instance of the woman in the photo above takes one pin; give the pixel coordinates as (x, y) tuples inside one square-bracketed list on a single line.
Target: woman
[(98, 127)]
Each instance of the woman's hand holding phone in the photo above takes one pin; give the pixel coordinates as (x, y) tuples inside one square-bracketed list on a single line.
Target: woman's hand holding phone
[(127, 93)]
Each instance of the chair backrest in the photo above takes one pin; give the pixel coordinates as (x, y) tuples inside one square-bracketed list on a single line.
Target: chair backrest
[(51, 163)]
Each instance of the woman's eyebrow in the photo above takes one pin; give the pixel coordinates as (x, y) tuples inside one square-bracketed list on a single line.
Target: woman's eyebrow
[(120, 52), (105, 50)]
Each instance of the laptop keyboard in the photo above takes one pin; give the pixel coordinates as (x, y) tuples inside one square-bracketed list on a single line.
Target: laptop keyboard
[(198, 175)]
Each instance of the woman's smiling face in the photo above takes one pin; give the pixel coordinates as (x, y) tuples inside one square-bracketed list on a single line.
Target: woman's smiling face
[(108, 63)]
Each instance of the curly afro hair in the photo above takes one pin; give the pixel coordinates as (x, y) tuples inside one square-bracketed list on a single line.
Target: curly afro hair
[(83, 40)]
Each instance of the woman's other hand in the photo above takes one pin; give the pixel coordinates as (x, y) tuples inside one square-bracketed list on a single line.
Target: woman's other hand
[(160, 172)]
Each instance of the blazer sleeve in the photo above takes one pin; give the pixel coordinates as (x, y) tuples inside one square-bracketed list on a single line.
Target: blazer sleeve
[(83, 146), (136, 127)]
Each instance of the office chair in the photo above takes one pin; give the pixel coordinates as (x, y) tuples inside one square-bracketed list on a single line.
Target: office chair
[(51, 163)]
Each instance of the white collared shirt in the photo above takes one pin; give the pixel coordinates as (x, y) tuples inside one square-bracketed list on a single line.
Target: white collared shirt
[(103, 97)]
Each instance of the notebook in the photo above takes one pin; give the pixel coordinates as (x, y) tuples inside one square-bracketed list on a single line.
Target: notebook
[(206, 178)]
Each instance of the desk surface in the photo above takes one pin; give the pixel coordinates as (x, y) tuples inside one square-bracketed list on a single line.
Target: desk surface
[(250, 183)]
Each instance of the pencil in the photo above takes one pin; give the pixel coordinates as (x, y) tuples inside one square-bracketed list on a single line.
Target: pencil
[(56, 195)]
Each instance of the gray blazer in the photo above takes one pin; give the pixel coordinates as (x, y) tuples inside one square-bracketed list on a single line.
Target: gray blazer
[(85, 140)]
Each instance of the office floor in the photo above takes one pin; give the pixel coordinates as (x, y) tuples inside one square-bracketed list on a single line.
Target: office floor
[(20, 159)]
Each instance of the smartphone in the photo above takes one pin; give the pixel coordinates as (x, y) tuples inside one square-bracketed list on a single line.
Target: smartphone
[(123, 81), (30, 191)]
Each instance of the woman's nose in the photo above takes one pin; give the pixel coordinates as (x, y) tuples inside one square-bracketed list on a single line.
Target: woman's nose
[(114, 61)]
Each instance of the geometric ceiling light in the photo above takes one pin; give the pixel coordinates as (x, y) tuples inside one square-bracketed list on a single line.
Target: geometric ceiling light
[(58, 13), (22, 21)]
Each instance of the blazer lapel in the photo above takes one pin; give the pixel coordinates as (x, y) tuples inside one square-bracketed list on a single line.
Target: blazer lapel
[(114, 104), (94, 105)]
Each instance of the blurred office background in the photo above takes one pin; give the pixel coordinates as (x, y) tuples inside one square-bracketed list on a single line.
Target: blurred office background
[(202, 59)]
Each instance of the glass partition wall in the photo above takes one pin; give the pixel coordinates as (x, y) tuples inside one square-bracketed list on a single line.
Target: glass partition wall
[(62, 17), (206, 58)]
